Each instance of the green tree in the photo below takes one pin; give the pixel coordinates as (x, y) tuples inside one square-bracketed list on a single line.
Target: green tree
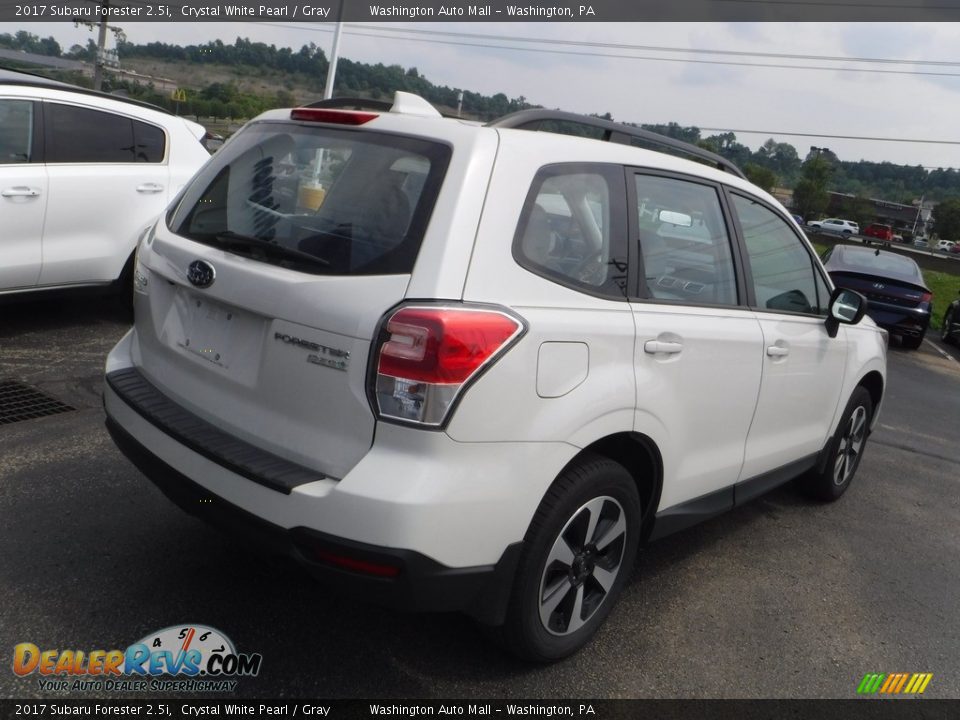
[(760, 176), (810, 195), (946, 219), (858, 209)]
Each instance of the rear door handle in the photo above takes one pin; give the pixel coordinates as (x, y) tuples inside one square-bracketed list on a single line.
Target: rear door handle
[(659, 346), (149, 188), (20, 191), (777, 351)]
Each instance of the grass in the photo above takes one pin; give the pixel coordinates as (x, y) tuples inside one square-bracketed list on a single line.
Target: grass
[(944, 287)]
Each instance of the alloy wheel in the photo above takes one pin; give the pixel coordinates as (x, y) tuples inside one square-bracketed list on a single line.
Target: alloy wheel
[(851, 444), (582, 566)]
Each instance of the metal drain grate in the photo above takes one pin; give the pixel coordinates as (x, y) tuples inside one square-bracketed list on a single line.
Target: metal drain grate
[(22, 402)]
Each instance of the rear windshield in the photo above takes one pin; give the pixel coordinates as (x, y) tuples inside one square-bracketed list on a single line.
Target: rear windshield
[(894, 265), (319, 200)]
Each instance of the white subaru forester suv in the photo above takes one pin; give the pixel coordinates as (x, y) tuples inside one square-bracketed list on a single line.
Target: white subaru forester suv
[(459, 367)]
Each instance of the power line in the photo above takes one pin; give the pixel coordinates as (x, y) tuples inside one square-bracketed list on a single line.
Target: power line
[(623, 46), (777, 66)]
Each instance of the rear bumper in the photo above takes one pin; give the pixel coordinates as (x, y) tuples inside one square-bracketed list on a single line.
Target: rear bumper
[(898, 320), (400, 579)]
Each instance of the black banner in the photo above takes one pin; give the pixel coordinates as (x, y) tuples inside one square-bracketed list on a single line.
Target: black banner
[(468, 11)]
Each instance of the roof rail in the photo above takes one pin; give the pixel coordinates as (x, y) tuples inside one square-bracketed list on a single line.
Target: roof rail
[(613, 132)]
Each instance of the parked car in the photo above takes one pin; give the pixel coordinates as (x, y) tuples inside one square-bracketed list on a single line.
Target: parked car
[(945, 245), (921, 243), (798, 219), (897, 238), (82, 176), (836, 226), (900, 300), (955, 248), (877, 231), (425, 385), (950, 331)]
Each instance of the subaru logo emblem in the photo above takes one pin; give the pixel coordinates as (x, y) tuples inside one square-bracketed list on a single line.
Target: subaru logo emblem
[(201, 274)]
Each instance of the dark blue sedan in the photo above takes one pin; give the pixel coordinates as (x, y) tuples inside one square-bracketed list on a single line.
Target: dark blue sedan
[(899, 297)]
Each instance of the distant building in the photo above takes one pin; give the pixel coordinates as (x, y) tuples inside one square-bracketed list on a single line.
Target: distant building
[(915, 218)]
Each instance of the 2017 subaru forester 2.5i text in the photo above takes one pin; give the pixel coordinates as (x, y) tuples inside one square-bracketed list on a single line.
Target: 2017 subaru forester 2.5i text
[(455, 367)]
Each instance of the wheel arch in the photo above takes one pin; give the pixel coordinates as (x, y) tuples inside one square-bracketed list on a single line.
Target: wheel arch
[(873, 383), (641, 457)]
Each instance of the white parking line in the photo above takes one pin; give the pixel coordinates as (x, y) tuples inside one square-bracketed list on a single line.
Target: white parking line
[(947, 355)]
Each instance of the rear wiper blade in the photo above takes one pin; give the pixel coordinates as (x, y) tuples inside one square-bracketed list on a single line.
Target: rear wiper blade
[(229, 237)]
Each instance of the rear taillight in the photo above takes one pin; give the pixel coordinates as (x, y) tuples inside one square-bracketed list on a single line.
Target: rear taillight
[(428, 355), (326, 115), (926, 297)]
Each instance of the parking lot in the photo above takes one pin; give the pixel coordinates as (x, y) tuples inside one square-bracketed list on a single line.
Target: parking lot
[(781, 598)]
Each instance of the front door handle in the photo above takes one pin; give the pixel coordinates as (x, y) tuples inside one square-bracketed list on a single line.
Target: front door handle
[(20, 191), (659, 346), (149, 188), (777, 351)]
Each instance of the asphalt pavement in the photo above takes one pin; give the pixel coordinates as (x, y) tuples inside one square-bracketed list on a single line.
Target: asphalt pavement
[(782, 598)]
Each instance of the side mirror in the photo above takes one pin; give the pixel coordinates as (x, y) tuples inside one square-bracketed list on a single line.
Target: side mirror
[(846, 306)]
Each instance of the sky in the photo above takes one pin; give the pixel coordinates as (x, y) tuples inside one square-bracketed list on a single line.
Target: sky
[(913, 94)]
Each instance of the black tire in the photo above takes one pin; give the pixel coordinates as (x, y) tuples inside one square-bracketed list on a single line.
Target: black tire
[(562, 569), (945, 330), (912, 343), (845, 450)]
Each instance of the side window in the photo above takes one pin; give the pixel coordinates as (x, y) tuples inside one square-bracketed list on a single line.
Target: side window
[(572, 229), (149, 141), (784, 278), (16, 131), (684, 242), (81, 135)]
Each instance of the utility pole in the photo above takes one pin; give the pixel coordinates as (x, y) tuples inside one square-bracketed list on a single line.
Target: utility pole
[(334, 55), (101, 49), (101, 61)]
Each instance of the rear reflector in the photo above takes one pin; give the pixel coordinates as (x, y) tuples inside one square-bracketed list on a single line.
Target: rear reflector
[(339, 117), (429, 355), (364, 567)]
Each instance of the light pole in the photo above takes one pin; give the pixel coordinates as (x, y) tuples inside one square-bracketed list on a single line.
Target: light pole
[(334, 54)]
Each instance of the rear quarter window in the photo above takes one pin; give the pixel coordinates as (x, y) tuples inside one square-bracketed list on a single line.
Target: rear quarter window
[(572, 228)]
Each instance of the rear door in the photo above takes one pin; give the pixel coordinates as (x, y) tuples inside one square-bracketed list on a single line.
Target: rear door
[(266, 284), (23, 193), (803, 366), (698, 347), (108, 181)]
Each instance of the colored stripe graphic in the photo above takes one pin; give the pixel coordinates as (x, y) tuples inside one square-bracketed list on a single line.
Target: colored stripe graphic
[(894, 683), (870, 683)]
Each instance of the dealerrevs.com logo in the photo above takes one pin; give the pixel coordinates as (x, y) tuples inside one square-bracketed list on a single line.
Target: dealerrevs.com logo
[(180, 658)]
